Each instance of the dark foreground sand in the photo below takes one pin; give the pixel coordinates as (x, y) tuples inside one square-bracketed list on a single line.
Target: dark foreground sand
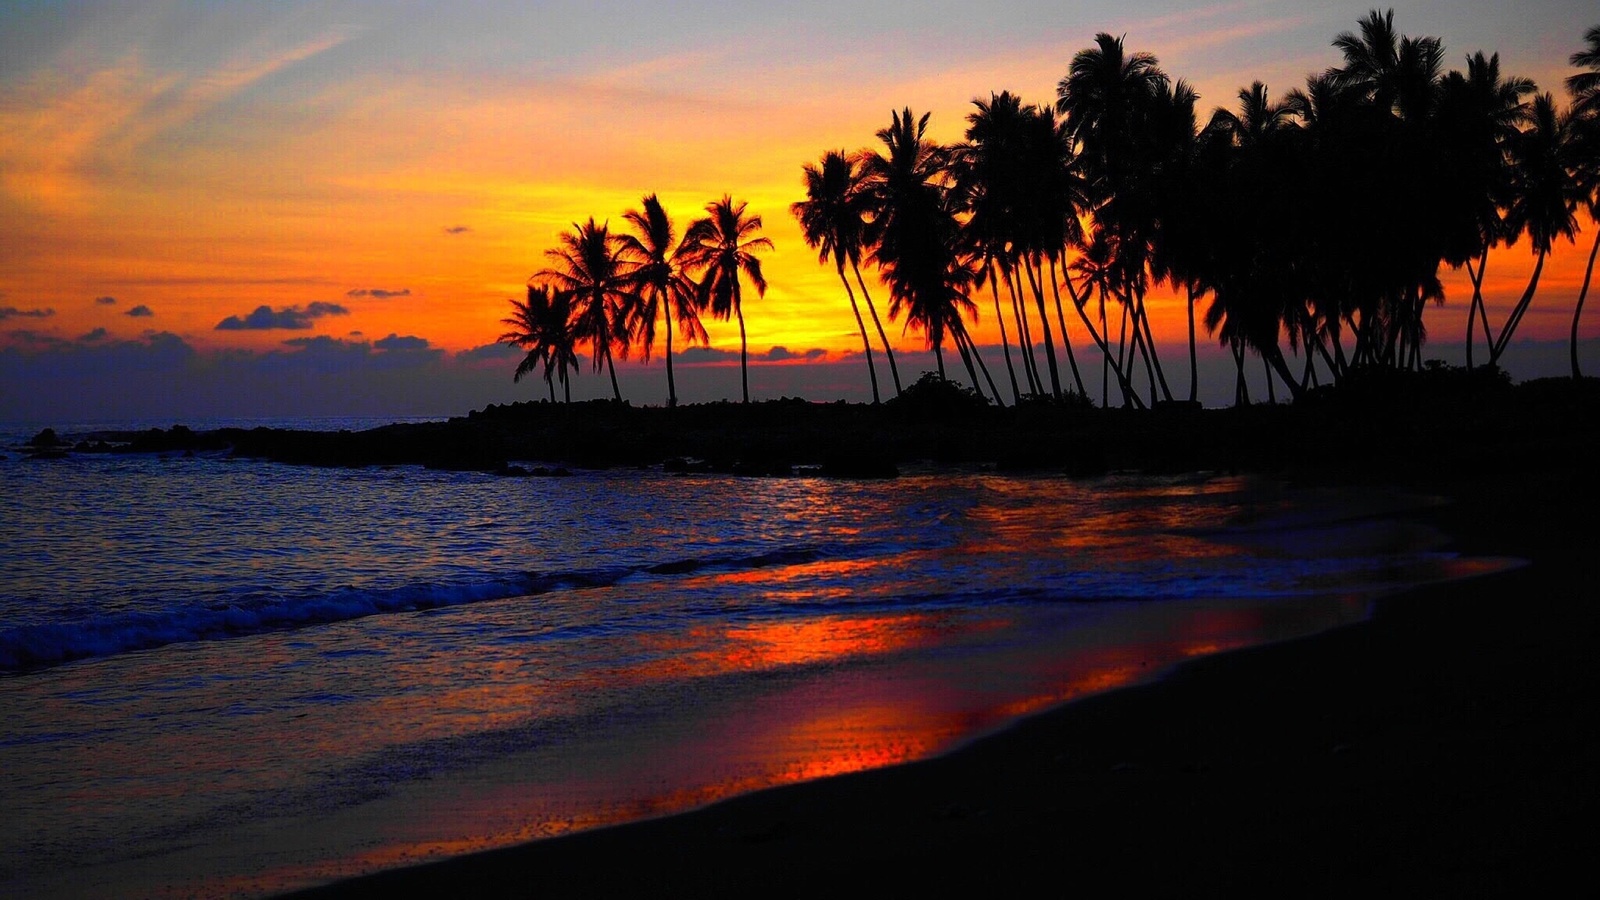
[(1448, 746)]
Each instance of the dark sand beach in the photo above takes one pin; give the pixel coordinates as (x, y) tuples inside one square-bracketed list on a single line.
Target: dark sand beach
[(1446, 746)]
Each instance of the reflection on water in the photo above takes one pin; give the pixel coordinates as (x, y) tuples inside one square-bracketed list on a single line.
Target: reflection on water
[(868, 624)]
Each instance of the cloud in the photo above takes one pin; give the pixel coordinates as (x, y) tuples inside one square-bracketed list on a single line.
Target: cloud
[(99, 334), (294, 318), (781, 353), (377, 293), (10, 312), (106, 301), (399, 344), (457, 229), (693, 355), (140, 312)]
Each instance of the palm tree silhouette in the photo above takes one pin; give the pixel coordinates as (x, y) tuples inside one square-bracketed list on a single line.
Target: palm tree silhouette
[(592, 268), (1108, 99), (542, 325), (1545, 198), (832, 219), (664, 291), (914, 235), (1585, 90), (1479, 114), (722, 246)]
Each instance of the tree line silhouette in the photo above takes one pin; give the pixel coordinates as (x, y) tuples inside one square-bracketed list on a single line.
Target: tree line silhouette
[(1321, 220)]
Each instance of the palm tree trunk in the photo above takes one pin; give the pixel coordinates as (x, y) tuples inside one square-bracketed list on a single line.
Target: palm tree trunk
[(1515, 318), (1266, 369), (1030, 265), (938, 354), (866, 344), (672, 386), (888, 351), (1005, 345), (1583, 293), (551, 384), (1099, 341), (1019, 308), (972, 348), (1194, 363), (1476, 277), (744, 350), (612, 368), (966, 360), (1142, 315), (1061, 317)]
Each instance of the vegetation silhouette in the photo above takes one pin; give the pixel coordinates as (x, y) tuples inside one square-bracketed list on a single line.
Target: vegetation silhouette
[(722, 246), (664, 290), (1313, 227)]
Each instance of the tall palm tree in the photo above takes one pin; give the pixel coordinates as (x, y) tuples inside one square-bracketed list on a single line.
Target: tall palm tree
[(832, 220), (914, 234), (722, 246), (1108, 100), (592, 268), (1479, 115), (1545, 198), (1585, 90), (542, 325), (664, 291)]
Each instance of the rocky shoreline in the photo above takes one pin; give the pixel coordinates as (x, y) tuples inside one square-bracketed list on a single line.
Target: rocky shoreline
[(1391, 432)]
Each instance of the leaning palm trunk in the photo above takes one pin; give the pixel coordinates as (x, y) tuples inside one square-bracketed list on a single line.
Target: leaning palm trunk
[(612, 368), (1142, 318), (1030, 266), (888, 351), (1005, 345), (1476, 277), (866, 344), (1019, 308), (1061, 319), (972, 348), (1099, 341), (1521, 309), (1583, 293)]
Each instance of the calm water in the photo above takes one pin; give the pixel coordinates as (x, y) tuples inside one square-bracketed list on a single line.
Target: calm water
[(234, 677)]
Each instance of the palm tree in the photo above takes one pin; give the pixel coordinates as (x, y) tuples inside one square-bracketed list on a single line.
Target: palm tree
[(722, 246), (1479, 112), (592, 268), (914, 235), (542, 325), (831, 218), (1544, 201), (664, 291), (1109, 99), (1585, 90)]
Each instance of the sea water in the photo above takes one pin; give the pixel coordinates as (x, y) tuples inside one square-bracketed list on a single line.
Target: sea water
[(229, 676)]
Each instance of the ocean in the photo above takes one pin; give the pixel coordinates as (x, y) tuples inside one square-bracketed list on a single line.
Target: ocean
[(230, 677)]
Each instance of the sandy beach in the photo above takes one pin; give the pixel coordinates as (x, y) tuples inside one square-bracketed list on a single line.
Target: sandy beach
[(1445, 746)]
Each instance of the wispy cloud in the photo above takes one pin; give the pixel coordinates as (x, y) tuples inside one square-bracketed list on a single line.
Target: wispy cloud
[(377, 293), (106, 301), (67, 125)]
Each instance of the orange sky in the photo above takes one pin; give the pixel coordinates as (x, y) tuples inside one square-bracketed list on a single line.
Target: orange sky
[(196, 161)]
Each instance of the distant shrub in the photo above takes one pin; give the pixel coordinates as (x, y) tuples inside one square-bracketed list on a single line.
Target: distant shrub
[(932, 395)]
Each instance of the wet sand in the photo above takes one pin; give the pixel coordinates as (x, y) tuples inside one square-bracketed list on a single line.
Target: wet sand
[(1446, 746)]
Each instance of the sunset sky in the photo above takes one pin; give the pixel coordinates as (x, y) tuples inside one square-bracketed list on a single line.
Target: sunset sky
[(298, 208)]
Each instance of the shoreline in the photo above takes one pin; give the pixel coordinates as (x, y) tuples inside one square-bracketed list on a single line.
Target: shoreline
[(1441, 746)]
